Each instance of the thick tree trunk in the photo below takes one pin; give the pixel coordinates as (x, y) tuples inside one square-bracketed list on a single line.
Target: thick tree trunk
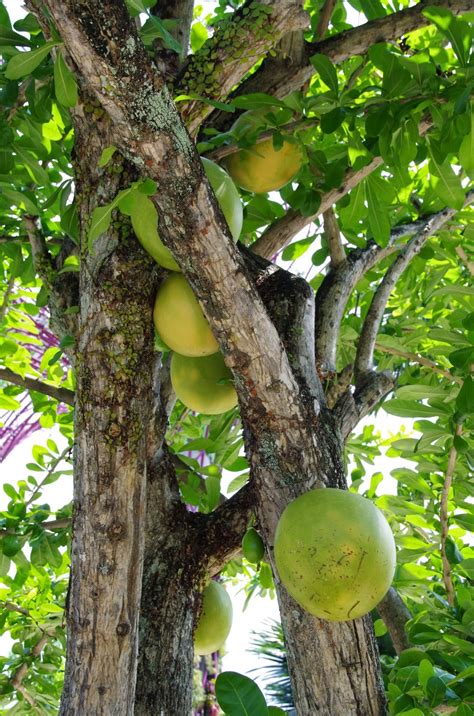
[(114, 353), (171, 580)]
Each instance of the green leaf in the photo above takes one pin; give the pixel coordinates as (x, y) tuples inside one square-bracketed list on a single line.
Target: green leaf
[(409, 409), (257, 100), (107, 155), (155, 28), (327, 71), (10, 38), (44, 551), (457, 31), (102, 217), (464, 520), (435, 690), (466, 150), (25, 62), (372, 9), (378, 219), (445, 183), (65, 84), (4, 565), (465, 397), (10, 545), (237, 695), (297, 249)]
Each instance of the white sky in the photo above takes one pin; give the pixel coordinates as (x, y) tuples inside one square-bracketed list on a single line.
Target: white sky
[(59, 493)]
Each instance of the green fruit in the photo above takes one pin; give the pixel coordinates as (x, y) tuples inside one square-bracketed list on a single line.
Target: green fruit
[(252, 546), (227, 196), (215, 621), (180, 321), (228, 199), (335, 553), (263, 168), (203, 384)]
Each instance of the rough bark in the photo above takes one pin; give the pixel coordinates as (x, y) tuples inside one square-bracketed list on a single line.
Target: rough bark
[(114, 353), (172, 572)]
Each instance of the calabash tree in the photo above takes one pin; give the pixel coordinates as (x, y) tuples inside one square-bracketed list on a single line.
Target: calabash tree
[(105, 117)]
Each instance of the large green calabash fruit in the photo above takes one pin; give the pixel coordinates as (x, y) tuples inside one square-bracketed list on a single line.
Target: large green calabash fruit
[(335, 553), (179, 319), (215, 621), (203, 384)]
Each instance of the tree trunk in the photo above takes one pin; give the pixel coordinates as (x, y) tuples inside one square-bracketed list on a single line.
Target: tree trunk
[(171, 580), (114, 353)]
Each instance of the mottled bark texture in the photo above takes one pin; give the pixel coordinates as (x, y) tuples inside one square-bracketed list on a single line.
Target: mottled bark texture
[(114, 352)]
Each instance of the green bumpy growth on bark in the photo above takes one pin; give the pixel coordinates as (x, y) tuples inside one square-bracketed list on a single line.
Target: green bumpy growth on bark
[(230, 40)]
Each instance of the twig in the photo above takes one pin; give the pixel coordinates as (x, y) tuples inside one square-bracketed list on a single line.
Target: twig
[(6, 298), (51, 469), (42, 259), (421, 360), (63, 395), (325, 15), (351, 408), (443, 518), (365, 349), (20, 673), (333, 236)]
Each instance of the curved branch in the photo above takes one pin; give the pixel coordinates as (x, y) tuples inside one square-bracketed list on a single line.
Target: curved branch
[(333, 237), (278, 79), (365, 350), (63, 395), (221, 531), (395, 615), (351, 408)]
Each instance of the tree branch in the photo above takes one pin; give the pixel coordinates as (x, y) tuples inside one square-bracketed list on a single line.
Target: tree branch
[(333, 236), (352, 407), (444, 519), (221, 531), (325, 15), (465, 259), (395, 615), (237, 44), (282, 231), (416, 358), (365, 350), (63, 395), (279, 80)]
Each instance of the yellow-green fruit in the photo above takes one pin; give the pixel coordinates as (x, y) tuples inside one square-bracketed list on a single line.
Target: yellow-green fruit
[(263, 168), (335, 553), (203, 384), (215, 621), (252, 546), (228, 199), (180, 321)]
